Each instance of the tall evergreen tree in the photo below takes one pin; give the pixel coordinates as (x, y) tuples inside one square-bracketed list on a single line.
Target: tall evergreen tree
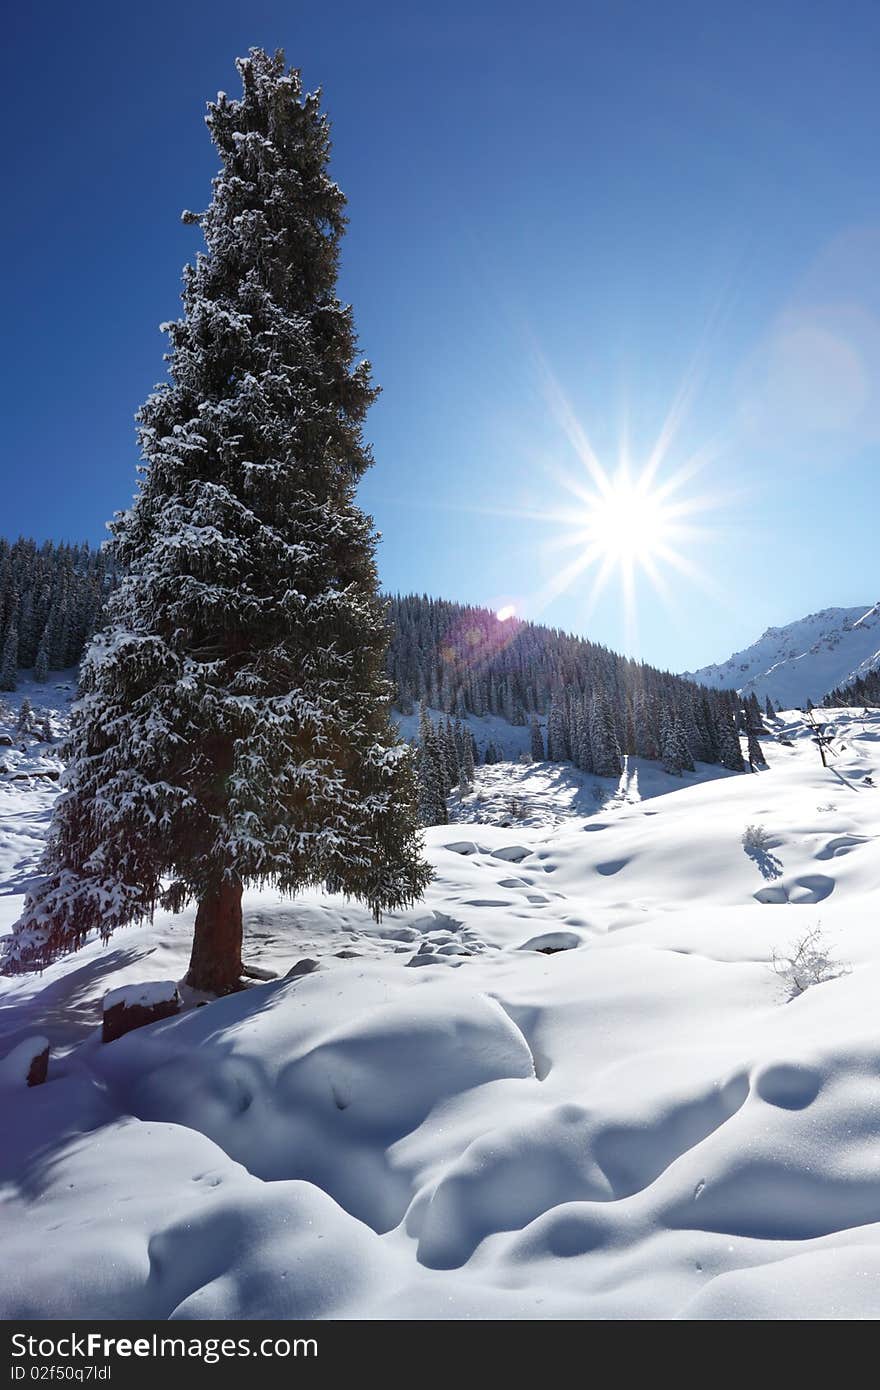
[(681, 737), (583, 749), (9, 659), (603, 738), (536, 740), (432, 776), (235, 726), (27, 722), (729, 748), (645, 738), (467, 756), (755, 751), (558, 750), (671, 747), (41, 666)]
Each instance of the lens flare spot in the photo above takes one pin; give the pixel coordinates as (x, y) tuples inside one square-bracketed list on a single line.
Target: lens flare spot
[(506, 613)]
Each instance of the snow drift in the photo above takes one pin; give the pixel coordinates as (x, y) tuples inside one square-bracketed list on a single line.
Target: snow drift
[(594, 1099)]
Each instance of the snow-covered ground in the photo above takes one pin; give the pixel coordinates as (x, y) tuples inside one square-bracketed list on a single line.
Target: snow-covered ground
[(567, 1084), (547, 794), (511, 740), (805, 660)]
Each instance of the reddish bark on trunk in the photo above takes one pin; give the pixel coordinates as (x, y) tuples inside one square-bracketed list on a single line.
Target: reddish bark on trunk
[(215, 963)]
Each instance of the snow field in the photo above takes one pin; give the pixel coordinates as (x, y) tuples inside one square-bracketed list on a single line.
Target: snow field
[(590, 1100)]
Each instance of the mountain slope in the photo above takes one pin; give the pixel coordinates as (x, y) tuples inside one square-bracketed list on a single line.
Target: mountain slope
[(803, 660)]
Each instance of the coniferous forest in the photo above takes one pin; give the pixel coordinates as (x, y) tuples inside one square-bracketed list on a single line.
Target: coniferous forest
[(454, 658), (864, 690), (50, 599), (462, 660)]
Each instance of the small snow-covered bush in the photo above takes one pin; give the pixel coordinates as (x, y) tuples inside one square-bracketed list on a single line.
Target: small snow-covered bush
[(806, 963), (516, 807), (27, 721), (756, 840)]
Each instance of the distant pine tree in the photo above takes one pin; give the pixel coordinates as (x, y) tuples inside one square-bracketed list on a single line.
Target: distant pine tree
[(558, 749), (467, 757), (41, 667), (9, 659), (755, 751), (536, 740), (680, 735), (647, 744), (671, 746), (729, 745), (27, 721), (431, 774), (603, 739), (583, 748)]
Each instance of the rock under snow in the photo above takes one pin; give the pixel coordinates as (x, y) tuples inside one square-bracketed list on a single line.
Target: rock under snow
[(134, 1006), (27, 1064)]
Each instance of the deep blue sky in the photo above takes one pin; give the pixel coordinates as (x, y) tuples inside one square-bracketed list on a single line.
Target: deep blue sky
[(618, 197)]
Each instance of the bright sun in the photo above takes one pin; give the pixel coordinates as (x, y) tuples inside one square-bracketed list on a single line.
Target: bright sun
[(628, 520), (620, 525), (624, 524)]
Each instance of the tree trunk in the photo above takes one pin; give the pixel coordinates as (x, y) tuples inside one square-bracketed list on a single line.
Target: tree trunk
[(215, 963)]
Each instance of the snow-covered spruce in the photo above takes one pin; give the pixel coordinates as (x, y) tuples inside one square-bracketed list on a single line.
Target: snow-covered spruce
[(234, 722)]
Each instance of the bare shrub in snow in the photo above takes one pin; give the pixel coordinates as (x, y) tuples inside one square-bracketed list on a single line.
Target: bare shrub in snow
[(757, 843), (806, 963), (756, 840)]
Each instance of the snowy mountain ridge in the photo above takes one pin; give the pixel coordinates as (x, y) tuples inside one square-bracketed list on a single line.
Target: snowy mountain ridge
[(803, 660)]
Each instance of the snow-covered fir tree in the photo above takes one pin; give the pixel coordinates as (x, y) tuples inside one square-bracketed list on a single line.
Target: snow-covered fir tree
[(558, 747), (27, 720), (432, 773), (729, 748), (466, 754), (536, 740), (671, 746), (755, 751), (645, 736), (234, 726), (9, 657), (603, 738)]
